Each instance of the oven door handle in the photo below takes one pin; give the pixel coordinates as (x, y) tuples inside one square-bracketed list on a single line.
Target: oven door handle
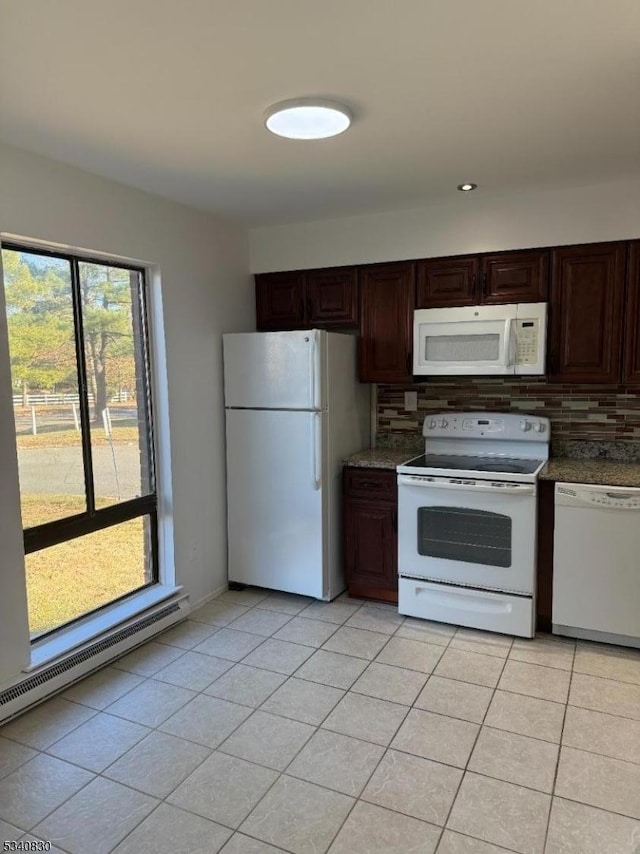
[(512, 489)]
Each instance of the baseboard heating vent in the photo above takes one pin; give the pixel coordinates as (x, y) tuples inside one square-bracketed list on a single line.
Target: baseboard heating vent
[(92, 656)]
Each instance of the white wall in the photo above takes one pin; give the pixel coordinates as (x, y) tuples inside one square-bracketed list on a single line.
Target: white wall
[(471, 222), (14, 630), (206, 290)]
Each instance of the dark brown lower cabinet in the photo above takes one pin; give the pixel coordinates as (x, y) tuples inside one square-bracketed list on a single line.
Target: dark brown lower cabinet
[(371, 533)]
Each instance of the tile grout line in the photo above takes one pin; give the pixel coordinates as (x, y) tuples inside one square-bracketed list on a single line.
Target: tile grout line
[(466, 767), (317, 727), (358, 798), (97, 775), (66, 800), (388, 747), (557, 768), (44, 749), (215, 749), (283, 772)]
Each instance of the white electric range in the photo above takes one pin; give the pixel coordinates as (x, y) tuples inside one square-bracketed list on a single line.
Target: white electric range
[(467, 517)]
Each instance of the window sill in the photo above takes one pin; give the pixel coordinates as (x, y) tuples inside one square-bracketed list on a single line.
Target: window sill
[(65, 640)]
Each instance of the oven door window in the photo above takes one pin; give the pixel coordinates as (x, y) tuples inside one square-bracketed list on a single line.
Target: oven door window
[(465, 535)]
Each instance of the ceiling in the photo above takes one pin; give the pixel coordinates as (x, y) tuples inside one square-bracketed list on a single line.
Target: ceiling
[(169, 95)]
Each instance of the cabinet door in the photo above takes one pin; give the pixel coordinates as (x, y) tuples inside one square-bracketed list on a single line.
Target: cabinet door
[(386, 322), (279, 301), (447, 281), (515, 277), (370, 537), (631, 371), (332, 298), (587, 289)]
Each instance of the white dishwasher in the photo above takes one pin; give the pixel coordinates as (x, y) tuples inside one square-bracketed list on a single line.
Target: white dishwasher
[(596, 563)]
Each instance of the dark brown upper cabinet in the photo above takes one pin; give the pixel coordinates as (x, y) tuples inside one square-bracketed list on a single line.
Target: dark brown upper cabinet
[(631, 367), (515, 276), (444, 282), (332, 297), (280, 301), (386, 322), (586, 313), (307, 298), (501, 277)]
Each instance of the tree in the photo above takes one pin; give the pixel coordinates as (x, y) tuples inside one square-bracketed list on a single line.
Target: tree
[(108, 331), (41, 325)]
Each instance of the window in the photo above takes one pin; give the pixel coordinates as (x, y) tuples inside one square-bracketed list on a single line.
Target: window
[(79, 351)]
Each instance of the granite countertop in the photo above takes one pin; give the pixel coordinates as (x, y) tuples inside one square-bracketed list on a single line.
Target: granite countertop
[(603, 472), (604, 463), (381, 458)]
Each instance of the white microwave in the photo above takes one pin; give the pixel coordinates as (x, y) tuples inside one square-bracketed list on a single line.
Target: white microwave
[(480, 340)]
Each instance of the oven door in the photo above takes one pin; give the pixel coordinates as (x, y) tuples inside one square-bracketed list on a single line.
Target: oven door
[(471, 532)]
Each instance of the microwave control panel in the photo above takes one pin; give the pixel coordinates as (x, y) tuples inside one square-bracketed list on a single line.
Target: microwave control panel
[(527, 336)]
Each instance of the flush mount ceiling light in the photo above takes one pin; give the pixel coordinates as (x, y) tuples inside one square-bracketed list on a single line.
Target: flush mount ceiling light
[(466, 188), (307, 118)]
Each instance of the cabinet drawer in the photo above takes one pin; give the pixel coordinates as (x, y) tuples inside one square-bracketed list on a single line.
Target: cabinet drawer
[(374, 484)]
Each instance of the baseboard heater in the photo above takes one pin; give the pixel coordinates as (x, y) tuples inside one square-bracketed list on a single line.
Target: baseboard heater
[(55, 677)]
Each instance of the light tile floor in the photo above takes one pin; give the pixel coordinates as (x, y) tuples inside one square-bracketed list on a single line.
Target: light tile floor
[(269, 722)]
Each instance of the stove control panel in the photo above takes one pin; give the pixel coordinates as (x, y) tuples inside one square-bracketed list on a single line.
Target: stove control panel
[(490, 425), (538, 425)]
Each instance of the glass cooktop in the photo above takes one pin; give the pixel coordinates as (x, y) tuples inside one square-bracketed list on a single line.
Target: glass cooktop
[(458, 462)]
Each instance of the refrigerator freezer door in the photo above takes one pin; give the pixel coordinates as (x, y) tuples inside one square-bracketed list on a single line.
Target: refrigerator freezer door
[(275, 498), (274, 370)]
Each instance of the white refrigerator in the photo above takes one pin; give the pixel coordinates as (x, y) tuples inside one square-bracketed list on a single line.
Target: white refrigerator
[(294, 409)]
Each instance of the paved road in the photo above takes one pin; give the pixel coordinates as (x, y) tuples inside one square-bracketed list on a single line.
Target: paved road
[(52, 419), (59, 471)]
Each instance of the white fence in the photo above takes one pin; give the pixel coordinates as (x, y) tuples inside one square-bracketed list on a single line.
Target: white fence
[(57, 399)]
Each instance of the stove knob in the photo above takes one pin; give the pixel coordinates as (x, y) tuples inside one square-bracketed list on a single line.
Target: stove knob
[(432, 424), (444, 423), (525, 425), (539, 428)]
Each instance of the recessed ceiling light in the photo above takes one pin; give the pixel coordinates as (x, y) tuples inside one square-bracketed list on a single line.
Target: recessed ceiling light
[(307, 118), (466, 188)]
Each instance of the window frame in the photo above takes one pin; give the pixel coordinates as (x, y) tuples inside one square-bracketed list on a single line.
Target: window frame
[(95, 519)]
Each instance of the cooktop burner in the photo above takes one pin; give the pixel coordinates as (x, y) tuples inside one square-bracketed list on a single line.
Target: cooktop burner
[(458, 462)]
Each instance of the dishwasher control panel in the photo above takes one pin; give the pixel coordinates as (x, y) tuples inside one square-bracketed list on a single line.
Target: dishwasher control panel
[(615, 497)]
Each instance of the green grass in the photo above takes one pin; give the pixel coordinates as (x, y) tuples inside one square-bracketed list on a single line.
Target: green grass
[(71, 438), (73, 578)]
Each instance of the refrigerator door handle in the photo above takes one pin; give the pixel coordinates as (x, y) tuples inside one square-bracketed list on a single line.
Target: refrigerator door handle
[(314, 370), (316, 432)]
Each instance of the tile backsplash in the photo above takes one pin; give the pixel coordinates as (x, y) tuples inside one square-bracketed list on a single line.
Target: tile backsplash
[(578, 412)]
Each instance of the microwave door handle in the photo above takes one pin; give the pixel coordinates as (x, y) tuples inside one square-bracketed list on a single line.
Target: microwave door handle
[(513, 343), (507, 359)]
